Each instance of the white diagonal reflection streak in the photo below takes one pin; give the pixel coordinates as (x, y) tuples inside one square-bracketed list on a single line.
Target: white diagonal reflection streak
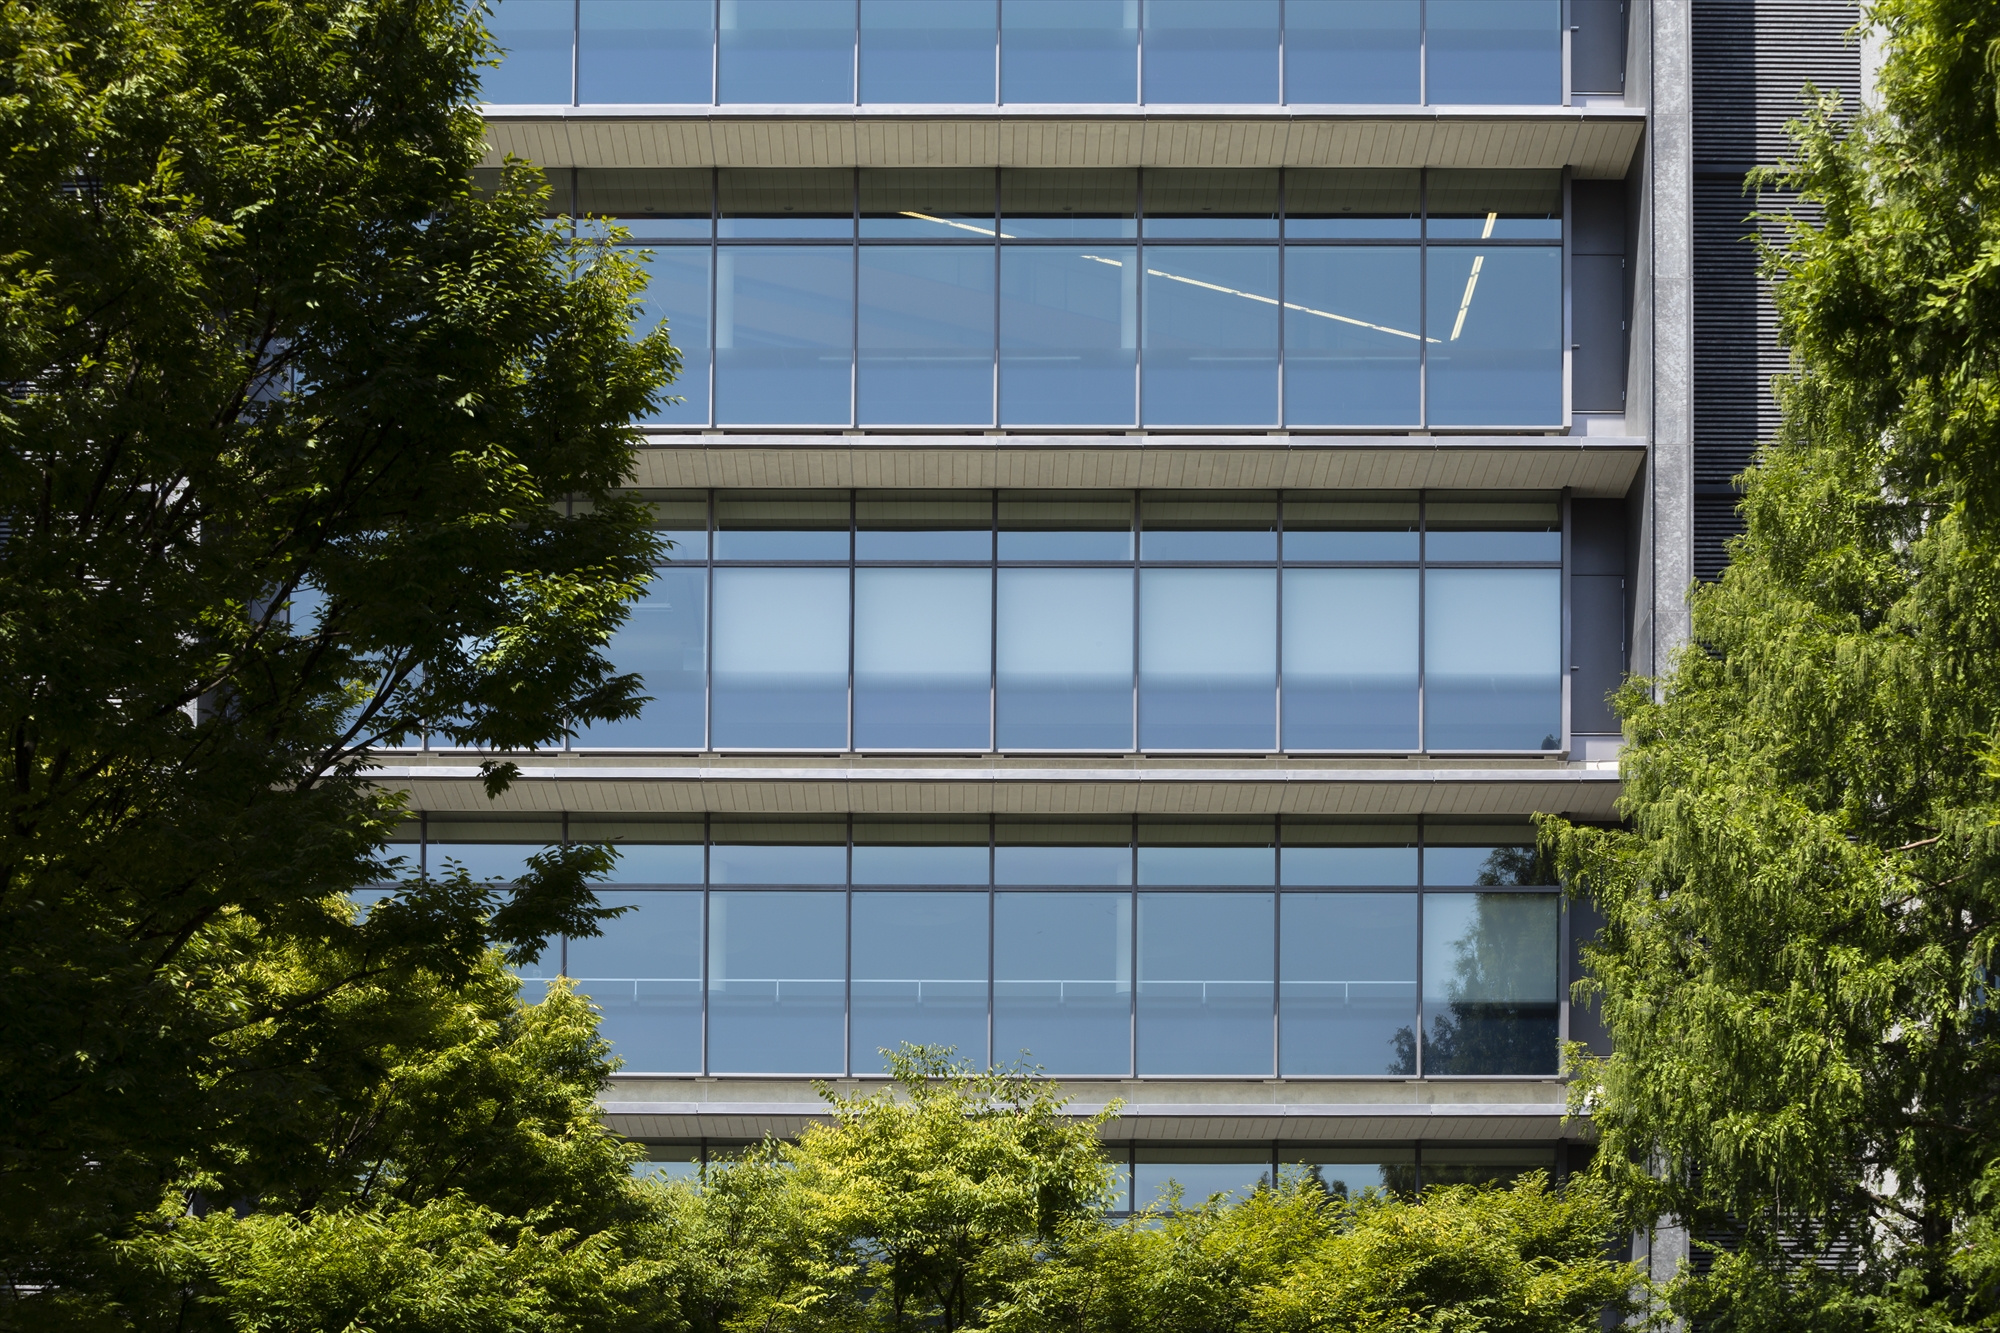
[(1472, 279)]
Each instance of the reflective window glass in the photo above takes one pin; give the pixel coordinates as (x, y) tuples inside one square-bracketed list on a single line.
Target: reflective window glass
[(927, 203), (1353, 341), (1525, 526), (1069, 50), (534, 38), (1348, 1000), (1063, 857), (1062, 981), (1205, 992), (777, 863), (677, 292), (780, 658), (1207, 865), (1454, 1165), (1065, 659), (649, 852), (1483, 856), (919, 865), (781, 525), (1212, 203), (1211, 335), (1351, 659), (787, 51), (489, 851), (1492, 659), (923, 525), (1358, 525), (1198, 1174), (644, 974), (785, 203), (1365, 51), (927, 50), (1479, 204), (669, 1161), (1486, 52), (1353, 203), (1207, 659), (664, 639), (1066, 525), (1069, 203), (922, 658), (926, 333), (1349, 1173), (653, 204), (1492, 980), (919, 975), (783, 333), (1340, 855), (1068, 335), (1495, 329), (1211, 51), (645, 51), (777, 982), (1185, 526)]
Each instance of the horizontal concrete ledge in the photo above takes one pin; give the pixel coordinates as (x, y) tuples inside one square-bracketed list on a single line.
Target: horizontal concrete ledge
[(1593, 466), (602, 772), (500, 113), (1177, 1110)]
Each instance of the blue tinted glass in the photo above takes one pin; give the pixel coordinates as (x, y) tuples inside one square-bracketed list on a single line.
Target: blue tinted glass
[(787, 51), (1062, 981), (780, 658), (1493, 545), (1155, 544), (1064, 204), (1352, 1172), (1353, 336), (1206, 865), (780, 544), (1485, 52), (1208, 649), (767, 864), (1069, 50), (919, 975), (777, 982), (784, 330), (1065, 659), (1492, 983), (1066, 545), (640, 51), (974, 544), (1352, 51), (927, 50), (1211, 335), (919, 865), (1492, 659), (677, 292), (1062, 865), (1484, 867), (1336, 867), (1495, 321), (926, 335), (1348, 1002), (534, 38), (1350, 659), (923, 657), (644, 973), (657, 863), (1350, 545), (485, 862), (1197, 1173), (664, 639), (1205, 990), (1069, 334), (1212, 50)]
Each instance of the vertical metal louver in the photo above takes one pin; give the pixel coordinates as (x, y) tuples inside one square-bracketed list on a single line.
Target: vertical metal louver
[(1752, 60)]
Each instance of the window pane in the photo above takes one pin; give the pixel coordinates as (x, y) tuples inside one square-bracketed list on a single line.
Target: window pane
[(776, 982), (924, 525), (1492, 659), (927, 50), (534, 39), (1352, 51), (1526, 526), (780, 658), (1069, 50), (1069, 203), (785, 203), (1208, 648), (1356, 525), (1484, 1166), (1205, 983), (1200, 1173), (491, 851), (930, 203), (1199, 854), (763, 863), (1065, 657), (669, 1161), (1185, 526), (1063, 854), (1348, 1001), (1496, 336), (923, 657), (1482, 204), (1068, 335), (1062, 981), (782, 525), (1209, 203), (1352, 343), (1483, 856), (919, 974), (652, 203), (1491, 983), (677, 292), (644, 972), (919, 865), (1211, 335), (787, 51), (1066, 525), (1353, 202), (664, 639), (636, 51), (1348, 1173), (1484, 52), (783, 334), (649, 851), (1211, 50), (1338, 855), (1350, 659), (926, 335)]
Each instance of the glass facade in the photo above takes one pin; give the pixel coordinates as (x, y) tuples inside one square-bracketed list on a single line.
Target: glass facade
[(1312, 299), (1112, 948), (1037, 52)]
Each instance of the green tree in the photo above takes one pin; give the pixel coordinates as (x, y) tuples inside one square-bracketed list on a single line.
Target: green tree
[(307, 448), (1797, 970)]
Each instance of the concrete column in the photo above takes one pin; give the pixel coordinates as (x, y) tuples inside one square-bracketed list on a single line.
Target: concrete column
[(1670, 185)]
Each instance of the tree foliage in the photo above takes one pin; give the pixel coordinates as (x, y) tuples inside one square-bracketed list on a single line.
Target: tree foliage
[(1802, 915)]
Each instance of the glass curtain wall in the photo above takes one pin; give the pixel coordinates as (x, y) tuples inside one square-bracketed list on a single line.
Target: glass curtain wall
[(1335, 299), (1333, 622), (1300, 948), (1069, 52)]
